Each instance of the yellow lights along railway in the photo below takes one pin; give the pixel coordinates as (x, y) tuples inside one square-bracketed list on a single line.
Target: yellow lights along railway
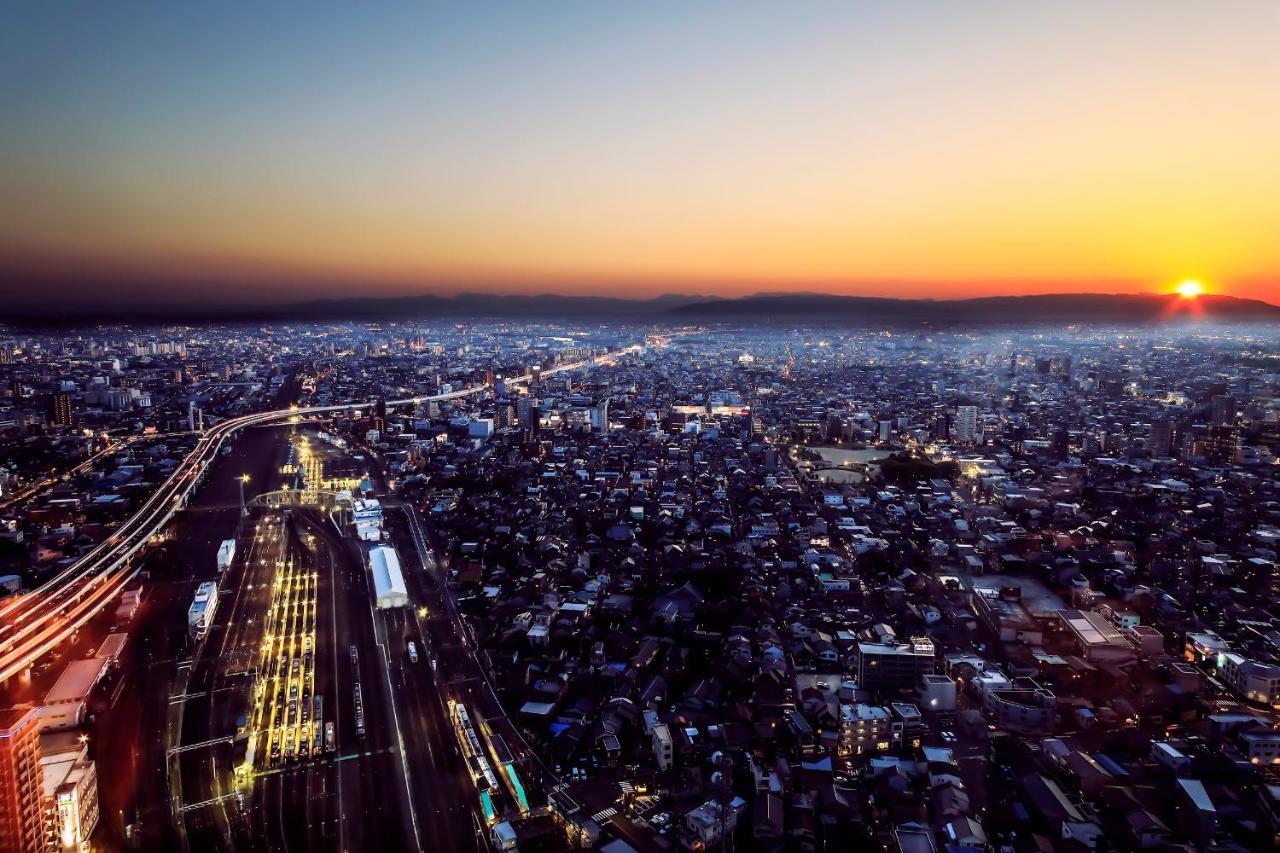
[(311, 466), (32, 625), (287, 721)]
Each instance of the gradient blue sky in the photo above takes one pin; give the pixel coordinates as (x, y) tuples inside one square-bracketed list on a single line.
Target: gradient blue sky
[(932, 149)]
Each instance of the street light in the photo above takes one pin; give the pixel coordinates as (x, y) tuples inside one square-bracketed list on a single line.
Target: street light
[(243, 478)]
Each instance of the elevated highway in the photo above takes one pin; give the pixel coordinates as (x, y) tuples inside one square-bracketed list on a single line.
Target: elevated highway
[(34, 623)]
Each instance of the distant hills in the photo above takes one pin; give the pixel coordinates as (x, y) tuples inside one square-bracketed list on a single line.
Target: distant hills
[(1055, 308), (808, 307), (497, 305)]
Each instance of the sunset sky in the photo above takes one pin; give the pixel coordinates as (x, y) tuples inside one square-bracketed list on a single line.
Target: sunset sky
[(223, 151)]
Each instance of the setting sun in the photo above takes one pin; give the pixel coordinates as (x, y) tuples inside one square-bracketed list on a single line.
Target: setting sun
[(1190, 289)]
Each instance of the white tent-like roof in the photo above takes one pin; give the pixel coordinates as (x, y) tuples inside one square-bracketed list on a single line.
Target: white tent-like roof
[(388, 581)]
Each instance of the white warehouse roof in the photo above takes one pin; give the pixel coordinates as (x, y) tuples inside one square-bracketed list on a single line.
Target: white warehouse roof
[(388, 582), (76, 681)]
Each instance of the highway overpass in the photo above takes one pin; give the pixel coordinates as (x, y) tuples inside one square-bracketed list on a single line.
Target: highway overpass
[(33, 623)]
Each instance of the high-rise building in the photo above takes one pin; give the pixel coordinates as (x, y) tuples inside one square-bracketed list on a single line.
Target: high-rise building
[(1161, 443), (1224, 409), (1223, 444), (527, 413), (503, 413), (60, 409), (21, 783), (965, 426), (1060, 443), (600, 416)]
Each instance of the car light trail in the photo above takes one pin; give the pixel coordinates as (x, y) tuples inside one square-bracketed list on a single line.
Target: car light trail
[(32, 625)]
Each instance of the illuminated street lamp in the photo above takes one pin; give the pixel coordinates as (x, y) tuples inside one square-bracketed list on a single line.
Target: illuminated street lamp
[(243, 478)]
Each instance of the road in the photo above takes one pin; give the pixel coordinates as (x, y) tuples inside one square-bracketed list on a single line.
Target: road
[(134, 757), (54, 477), (33, 624), (404, 785), (455, 671), (439, 798), (172, 755)]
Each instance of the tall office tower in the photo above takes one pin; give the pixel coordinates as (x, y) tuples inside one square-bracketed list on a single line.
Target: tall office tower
[(1223, 444), (1161, 443), (1060, 444), (60, 409), (21, 783), (527, 413), (965, 427), (600, 416), (1224, 409), (503, 413), (6, 352)]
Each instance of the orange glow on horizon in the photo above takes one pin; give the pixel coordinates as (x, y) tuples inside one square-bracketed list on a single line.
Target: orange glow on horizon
[(1115, 149)]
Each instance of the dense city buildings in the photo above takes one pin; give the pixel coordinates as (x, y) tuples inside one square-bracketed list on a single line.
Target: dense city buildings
[(539, 585)]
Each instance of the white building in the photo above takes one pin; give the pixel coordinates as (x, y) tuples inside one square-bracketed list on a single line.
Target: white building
[(600, 416), (965, 426), (66, 702), (1257, 682), (662, 750), (388, 581), (708, 821), (937, 692), (1261, 746), (70, 782), (367, 516)]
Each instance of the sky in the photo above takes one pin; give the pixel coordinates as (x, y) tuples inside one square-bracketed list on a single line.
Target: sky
[(270, 152)]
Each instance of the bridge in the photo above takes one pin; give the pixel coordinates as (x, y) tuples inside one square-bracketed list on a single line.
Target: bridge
[(300, 497), (34, 623)]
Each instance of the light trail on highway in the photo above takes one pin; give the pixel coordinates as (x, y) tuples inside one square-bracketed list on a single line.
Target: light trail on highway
[(33, 624)]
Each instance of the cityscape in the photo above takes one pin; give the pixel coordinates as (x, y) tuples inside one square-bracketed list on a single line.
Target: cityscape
[(540, 586), (640, 428)]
